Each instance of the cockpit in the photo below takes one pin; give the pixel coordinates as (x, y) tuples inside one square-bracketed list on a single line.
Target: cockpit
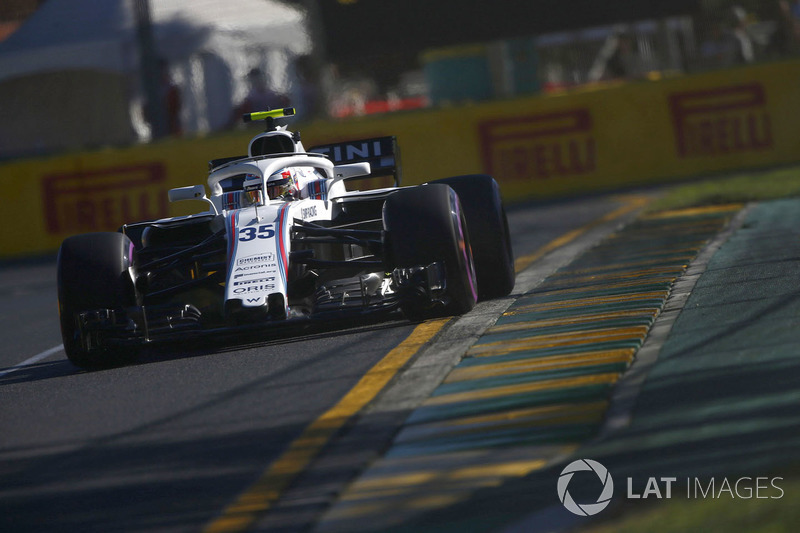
[(242, 190)]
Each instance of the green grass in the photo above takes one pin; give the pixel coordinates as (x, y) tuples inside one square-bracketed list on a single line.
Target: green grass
[(740, 188), (711, 515)]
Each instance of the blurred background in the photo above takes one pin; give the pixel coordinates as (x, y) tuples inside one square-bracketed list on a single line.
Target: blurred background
[(122, 72)]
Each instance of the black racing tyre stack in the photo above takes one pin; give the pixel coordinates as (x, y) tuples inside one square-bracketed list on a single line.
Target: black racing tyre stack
[(426, 224), (93, 274), (488, 230)]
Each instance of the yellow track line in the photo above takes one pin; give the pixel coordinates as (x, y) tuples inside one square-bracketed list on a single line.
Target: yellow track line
[(408, 485), (588, 358), (558, 341), (577, 416), (632, 204), (263, 494), (542, 412), (586, 302), (521, 388), (588, 289), (694, 211), (643, 313), (518, 419), (268, 488), (604, 272)]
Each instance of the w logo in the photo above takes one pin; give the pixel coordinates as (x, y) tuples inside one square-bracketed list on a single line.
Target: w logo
[(586, 509)]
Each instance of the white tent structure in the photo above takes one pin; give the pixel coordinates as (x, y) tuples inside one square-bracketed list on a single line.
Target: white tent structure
[(69, 76)]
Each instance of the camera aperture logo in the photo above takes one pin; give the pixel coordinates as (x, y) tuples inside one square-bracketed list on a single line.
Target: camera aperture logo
[(585, 509)]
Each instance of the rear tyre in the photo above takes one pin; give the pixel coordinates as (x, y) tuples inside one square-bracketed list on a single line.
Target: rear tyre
[(93, 274), (488, 230), (426, 224)]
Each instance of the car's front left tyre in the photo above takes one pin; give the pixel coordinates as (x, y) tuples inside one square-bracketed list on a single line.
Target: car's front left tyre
[(426, 224), (480, 197)]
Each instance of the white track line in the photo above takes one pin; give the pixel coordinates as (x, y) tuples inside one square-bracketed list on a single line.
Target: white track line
[(31, 360)]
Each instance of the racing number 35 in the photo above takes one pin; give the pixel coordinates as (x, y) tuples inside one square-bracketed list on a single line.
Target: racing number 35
[(266, 231)]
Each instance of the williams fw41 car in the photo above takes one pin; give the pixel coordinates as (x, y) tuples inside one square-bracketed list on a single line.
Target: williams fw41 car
[(284, 242)]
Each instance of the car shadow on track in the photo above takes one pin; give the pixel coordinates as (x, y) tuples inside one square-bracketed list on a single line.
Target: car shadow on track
[(39, 371), (257, 339), (170, 351), (177, 470)]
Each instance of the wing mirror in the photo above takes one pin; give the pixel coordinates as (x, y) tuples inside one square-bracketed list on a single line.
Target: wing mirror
[(191, 192), (352, 170)]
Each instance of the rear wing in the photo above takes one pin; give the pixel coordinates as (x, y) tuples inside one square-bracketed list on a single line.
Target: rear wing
[(382, 154)]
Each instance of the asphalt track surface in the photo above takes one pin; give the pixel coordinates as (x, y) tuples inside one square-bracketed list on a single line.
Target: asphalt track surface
[(169, 442)]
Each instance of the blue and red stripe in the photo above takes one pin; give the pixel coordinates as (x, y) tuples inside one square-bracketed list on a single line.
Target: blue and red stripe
[(233, 239), (317, 190), (283, 258)]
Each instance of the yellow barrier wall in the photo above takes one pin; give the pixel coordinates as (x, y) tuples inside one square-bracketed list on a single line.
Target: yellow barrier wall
[(537, 147)]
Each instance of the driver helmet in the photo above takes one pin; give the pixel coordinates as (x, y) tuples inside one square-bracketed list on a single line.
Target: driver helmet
[(281, 184)]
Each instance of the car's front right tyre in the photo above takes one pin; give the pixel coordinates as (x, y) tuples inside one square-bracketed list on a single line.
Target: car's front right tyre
[(93, 273)]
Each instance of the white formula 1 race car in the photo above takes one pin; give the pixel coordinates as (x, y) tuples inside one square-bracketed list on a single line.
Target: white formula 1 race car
[(284, 242)]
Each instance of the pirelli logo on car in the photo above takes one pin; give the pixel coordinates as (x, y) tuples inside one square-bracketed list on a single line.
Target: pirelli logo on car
[(540, 146), (104, 199), (723, 120)]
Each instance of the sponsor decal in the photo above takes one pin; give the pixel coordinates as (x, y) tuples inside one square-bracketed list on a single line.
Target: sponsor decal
[(268, 269), (580, 477), (540, 146), (254, 288), (256, 260), (724, 120), (104, 199), (254, 267), (250, 274), (308, 212), (265, 231), (352, 151), (379, 152), (249, 281)]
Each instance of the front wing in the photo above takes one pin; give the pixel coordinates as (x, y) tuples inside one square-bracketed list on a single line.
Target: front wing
[(366, 296)]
